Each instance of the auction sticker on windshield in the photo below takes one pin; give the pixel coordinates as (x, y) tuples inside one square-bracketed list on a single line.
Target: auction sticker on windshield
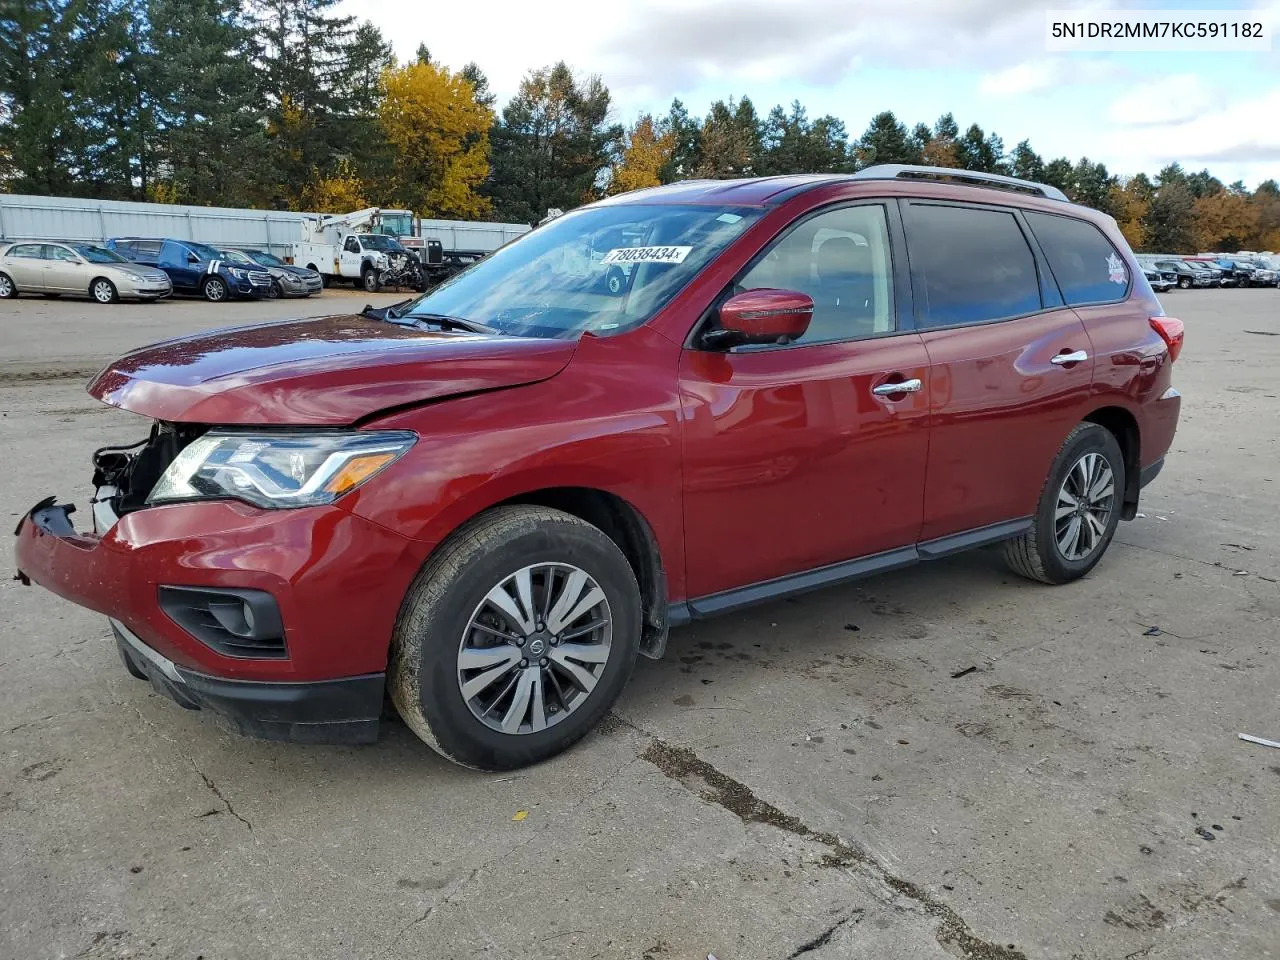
[(647, 255)]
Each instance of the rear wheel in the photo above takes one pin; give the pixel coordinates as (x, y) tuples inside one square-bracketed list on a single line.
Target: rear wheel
[(103, 290), (7, 289), (516, 638), (1078, 512), (215, 290)]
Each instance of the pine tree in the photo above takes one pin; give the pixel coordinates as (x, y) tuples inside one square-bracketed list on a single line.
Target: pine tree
[(210, 138), (730, 140), (686, 144), (1026, 163), (552, 146), (977, 151), (886, 140)]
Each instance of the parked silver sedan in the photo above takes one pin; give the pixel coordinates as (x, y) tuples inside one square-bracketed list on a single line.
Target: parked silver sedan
[(83, 269)]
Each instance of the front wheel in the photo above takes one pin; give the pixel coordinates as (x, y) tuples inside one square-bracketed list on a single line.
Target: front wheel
[(215, 290), (516, 638), (275, 293), (1184, 283), (1078, 512), (370, 279), (103, 290)]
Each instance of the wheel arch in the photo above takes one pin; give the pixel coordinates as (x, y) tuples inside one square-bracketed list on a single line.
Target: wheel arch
[(1123, 425), (624, 524)]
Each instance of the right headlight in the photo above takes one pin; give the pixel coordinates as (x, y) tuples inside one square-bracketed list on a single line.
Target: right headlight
[(280, 469)]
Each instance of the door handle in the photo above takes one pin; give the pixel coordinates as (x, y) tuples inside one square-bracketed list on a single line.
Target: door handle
[(1079, 356), (904, 386)]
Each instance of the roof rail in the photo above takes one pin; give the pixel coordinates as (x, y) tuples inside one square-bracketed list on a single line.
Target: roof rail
[(976, 178)]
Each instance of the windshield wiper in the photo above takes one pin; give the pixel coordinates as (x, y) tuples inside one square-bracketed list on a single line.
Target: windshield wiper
[(390, 313), (447, 322)]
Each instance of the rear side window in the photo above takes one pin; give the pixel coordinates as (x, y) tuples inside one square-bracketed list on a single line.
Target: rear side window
[(976, 265), (1085, 264), (147, 248), (28, 251)]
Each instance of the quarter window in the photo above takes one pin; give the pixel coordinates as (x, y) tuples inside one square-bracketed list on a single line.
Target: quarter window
[(976, 265), (1085, 264), (841, 259)]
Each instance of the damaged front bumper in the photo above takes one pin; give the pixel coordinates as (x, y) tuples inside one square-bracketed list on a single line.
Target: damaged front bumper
[(327, 687)]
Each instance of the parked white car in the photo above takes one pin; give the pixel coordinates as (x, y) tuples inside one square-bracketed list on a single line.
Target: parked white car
[(79, 269)]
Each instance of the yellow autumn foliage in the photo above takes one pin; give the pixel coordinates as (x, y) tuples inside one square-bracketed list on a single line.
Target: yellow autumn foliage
[(440, 136), (645, 154), (340, 192)]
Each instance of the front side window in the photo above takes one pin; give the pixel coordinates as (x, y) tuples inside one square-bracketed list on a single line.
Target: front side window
[(976, 265), (59, 253), (352, 245), (95, 254), (602, 269), (379, 242), (841, 259), (203, 252)]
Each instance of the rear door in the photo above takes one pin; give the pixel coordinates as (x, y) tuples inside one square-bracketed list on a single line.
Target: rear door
[(802, 455), (1010, 364), (25, 265)]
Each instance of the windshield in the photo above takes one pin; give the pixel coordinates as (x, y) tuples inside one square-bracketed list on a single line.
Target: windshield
[(202, 251), (376, 241), (603, 269), (235, 256), (97, 254), (397, 224), (266, 259)]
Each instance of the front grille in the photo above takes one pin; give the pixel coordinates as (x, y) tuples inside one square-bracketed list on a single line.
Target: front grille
[(233, 622), (259, 276)]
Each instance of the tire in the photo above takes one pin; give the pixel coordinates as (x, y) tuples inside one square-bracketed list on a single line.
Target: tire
[(437, 628), (7, 290), (369, 280), (214, 290), (103, 290), (615, 281), (276, 293), (1184, 283), (324, 277), (1038, 554)]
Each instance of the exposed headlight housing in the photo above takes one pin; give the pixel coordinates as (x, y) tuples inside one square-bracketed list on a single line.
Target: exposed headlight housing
[(280, 469)]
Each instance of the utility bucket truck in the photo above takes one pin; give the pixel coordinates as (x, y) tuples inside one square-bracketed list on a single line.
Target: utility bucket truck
[(360, 247)]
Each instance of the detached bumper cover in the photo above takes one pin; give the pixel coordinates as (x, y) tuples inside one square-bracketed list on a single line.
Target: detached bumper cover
[(342, 711)]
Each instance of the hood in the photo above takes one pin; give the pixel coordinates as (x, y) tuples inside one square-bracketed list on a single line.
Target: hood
[(327, 371), (139, 270)]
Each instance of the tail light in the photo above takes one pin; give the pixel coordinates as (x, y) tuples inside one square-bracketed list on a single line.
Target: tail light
[(1171, 332)]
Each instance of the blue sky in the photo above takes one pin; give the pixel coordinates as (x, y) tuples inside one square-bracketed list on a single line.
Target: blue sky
[(984, 60)]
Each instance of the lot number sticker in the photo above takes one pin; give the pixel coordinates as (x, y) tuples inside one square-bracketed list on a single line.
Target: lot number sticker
[(647, 255)]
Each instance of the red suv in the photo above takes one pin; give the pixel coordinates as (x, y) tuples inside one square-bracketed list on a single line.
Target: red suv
[(664, 406)]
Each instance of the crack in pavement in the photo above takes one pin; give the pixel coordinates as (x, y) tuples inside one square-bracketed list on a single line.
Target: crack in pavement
[(682, 765), (1218, 564), (208, 781), (822, 939)]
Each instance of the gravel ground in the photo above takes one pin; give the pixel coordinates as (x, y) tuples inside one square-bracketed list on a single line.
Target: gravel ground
[(944, 761)]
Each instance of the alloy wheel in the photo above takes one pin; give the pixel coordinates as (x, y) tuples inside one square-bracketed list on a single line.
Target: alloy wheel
[(1085, 501), (6, 286), (534, 648), (215, 290), (102, 292)]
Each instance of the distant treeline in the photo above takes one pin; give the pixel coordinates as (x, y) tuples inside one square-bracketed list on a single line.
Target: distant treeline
[(284, 104)]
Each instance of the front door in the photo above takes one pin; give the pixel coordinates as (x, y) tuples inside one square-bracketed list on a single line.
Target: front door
[(1011, 364), (351, 257), (64, 271), (802, 455), (184, 268)]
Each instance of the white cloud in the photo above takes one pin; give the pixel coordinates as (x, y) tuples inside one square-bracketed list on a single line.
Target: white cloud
[(1021, 79), (1239, 133), (1168, 101)]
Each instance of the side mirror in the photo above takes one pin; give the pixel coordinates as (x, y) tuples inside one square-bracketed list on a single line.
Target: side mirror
[(762, 316), (192, 258)]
